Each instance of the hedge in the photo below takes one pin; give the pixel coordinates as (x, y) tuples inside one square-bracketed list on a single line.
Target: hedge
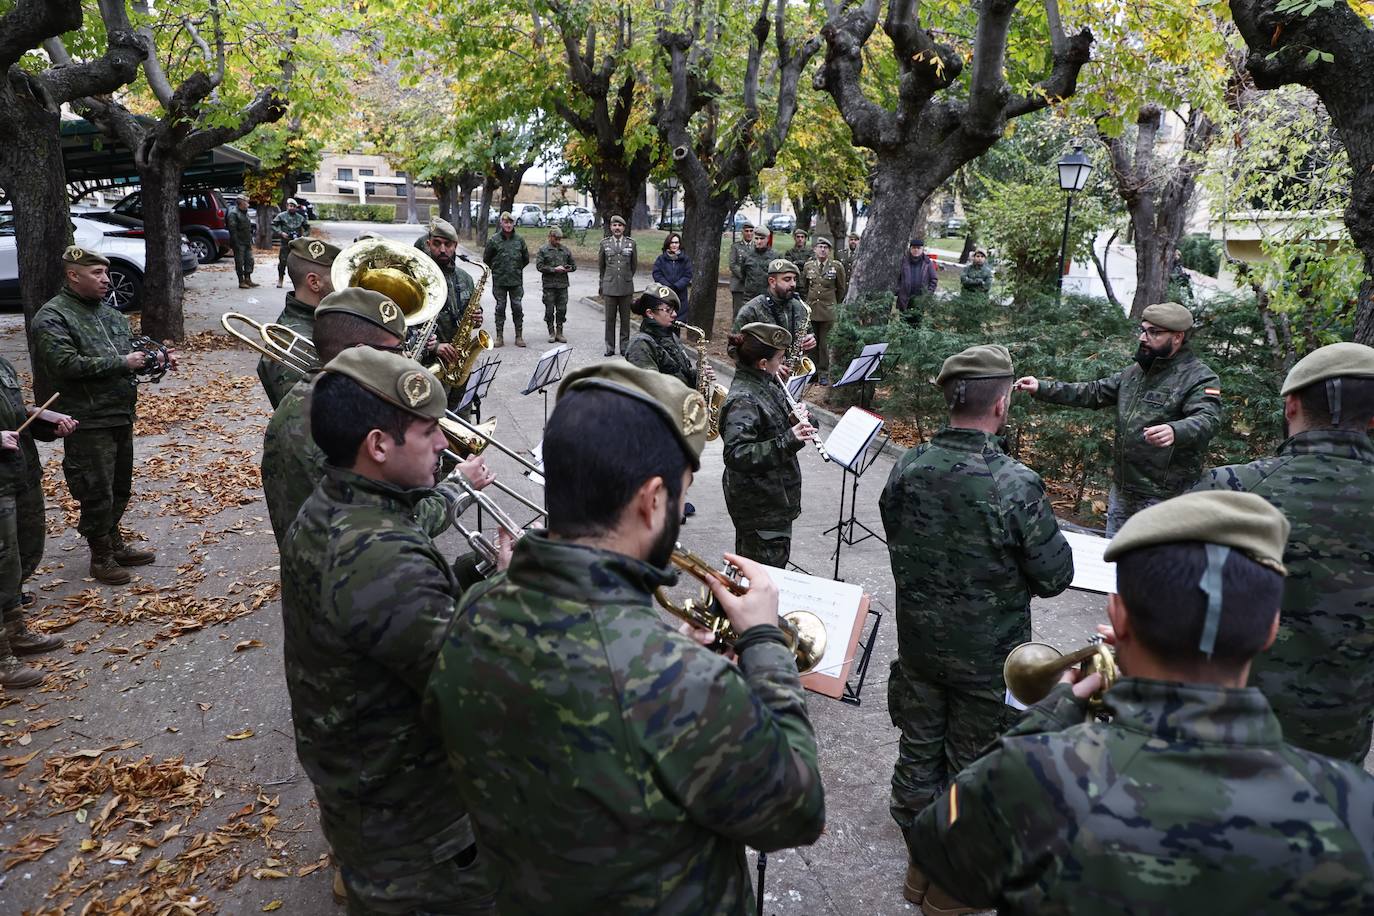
[(371, 213)]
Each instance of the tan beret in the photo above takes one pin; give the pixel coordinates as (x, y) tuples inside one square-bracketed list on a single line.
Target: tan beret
[(314, 250), (982, 251), (396, 379), (505, 214), (823, 241), (75, 255), (781, 266), (1168, 315), (617, 219), (682, 408), (555, 232), (746, 225), (983, 361), (442, 229), (657, 293), (368, 305), (1338, 360), (770, 335), (854, 236), (1242, 521)]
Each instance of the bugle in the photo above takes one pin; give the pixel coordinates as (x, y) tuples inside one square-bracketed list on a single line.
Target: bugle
[(277, 342), (1033, 668)]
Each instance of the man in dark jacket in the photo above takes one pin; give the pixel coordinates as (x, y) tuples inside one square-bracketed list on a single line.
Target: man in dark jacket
[(918, 279), (507, 254)]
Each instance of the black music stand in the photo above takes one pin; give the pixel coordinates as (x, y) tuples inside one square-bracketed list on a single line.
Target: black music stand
[(855, 685), (550, 368), (863, 371), (844, 527)]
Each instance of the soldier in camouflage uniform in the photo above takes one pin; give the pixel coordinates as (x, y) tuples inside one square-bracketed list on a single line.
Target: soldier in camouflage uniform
[(617, 261), (800, 252), (656, 346), (780, 305), (554, 262), (87, 354), (366, 599), (241, 240), (977, 277), (290, 224), (611, 763), (308, 264), (1168, 408), (1187, 801), (754, 270), (826, 282), (972, 536), (507, 254), (762, 479), (739, 252), (1319, 676), (441, 244)]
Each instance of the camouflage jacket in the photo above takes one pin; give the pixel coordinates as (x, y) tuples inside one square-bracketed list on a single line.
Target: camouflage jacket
[(21, 467), (846, 257), (611, 764), (658, 348), (292, 464), (549, 257), (825, 286), (616, 263), (507, 256), (972, 537), (366, 599), (976, 279), (277, 379), (1187, 802), (738, 252), (799, 255), (81, 345), (790, 315), (754, 271), (240, 228), (460, 289), (762, 479), (1319, 674), (1180, 391), (290, 225)]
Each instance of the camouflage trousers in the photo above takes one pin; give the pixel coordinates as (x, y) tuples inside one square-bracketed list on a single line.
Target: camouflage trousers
[(456, 886), (11, 567), (243, 261), (99, 466), (943, 731), (771, 547), (515, 295), (282, 255), (33, 524), (555, 306), (1121, 507)]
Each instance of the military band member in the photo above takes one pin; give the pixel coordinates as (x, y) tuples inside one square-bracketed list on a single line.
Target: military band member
[(779, 305), (366, 599), (241, 232), (1168, 408), (656, 345), (87, 354), (610, 763), (617, 261), (826, 282), (440, 242), (762, 479), (507, 254), (739, 252), (554, 262), (307, 263), (289, 225), (1188, 801), (972, 537), (977, 276), (1319, 675)]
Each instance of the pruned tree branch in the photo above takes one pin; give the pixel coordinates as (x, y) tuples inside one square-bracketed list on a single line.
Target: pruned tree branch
[(29, 23)]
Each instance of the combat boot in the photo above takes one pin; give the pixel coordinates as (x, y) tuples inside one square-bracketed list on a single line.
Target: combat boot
[(939, 902), (125, 555), (916, 884), (553, 335), (500, 339), (519, 336), (253, 283), (103, 565), (243, 284), (558, 335), (14, 674), (24, 641)]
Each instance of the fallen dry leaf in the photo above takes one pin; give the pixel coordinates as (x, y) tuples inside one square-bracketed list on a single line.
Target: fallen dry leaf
[(247, 644), (273, 905), (239, 736)]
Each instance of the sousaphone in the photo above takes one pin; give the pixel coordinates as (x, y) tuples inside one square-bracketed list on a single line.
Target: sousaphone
[(402, 273)]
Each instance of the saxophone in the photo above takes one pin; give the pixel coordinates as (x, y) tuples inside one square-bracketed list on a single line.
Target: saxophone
[(711, 392), (468, 339), (798, 364)]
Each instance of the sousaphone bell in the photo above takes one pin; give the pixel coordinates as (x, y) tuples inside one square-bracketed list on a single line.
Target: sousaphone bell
[(402, 273)]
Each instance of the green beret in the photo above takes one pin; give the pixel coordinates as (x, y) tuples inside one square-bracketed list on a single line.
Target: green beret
[(313, 250), (367, 305), (617, 219), (983, 361), (781, 266), (656, 293), (682, 408), (746, 225), (1336, 360), (770, 335), (394, 378), (442, 229), (77, 256), (555, 232), (505, 214), (1242, 521), (854, 236), (1168, 315), (797, 232), (823, 241)]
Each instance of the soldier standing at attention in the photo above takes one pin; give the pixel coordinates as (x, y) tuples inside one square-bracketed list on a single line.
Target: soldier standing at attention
[(779, 305), (241, 240), (754, 270), (87, 353), (554, 262), (972, 536), (366, 599), (507, 254), (1188, 801), (617, 261), (656, 346), (800, 252), (1168, 408), (308, 265), (826, 282), (762, 480), (289, 225), (977, 277), (1319, 676), (611, 763), (739, 252)]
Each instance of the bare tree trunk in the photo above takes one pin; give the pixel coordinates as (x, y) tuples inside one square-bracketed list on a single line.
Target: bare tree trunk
[(484, 211), (441, 192), (878, 263), (835, 222), (467, 183), (1101, 265), (163, 284), (701, 236), (411, 217), (641, 217)]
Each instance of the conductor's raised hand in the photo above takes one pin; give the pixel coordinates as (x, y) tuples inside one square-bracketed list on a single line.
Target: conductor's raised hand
[(757, 606), (1027, 383)]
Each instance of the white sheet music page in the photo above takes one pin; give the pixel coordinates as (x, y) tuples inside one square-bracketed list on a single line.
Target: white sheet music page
[(835, 603), (1091, 573), (797, 384), (852, 436)]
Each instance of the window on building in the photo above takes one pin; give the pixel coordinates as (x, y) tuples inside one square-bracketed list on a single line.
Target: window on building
[(345, 174), (371, 187), (308, 185)]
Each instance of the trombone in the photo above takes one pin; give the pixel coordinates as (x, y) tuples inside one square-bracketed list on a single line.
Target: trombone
[(277, 342), (460, 495)]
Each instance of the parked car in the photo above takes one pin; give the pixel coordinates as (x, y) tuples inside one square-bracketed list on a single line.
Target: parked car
[(953, 226), (529, 215), (126, 248), (736, 224), (475, 211), (673, 219), (577, 217), (202, 221), (782, 222)]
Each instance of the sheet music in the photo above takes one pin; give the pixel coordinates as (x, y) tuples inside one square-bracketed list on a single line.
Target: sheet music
[(835, 603), (873, 349), (797, 384), (852, 436), (1091, 573), (537, 456), (549, 369)]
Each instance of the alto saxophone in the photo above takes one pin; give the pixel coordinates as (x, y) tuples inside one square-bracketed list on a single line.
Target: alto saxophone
[(711, 392), (798, 364), (468, 339)]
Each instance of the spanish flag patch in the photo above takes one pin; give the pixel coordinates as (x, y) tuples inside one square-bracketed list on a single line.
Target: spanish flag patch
[(953, 803), (1215, 392)]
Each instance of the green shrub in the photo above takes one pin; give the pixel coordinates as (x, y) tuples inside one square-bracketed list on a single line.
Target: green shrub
[(1200, 253), (370, 213)]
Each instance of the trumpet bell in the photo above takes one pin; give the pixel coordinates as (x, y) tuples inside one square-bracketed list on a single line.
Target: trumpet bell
[(405, 275), (468, 442), (806, 639), (1033, 668)]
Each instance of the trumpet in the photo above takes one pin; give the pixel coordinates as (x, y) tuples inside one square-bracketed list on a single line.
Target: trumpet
[(460, 496), (277, 342), (800, 413), (1033, 668), (804, 631)]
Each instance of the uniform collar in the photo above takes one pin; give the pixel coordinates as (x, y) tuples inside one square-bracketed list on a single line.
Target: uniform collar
[(654, 329), (973, 440), (1344, 443), (89, 303), (1197, 713), (357, 490), (577, 572), (300, 308)]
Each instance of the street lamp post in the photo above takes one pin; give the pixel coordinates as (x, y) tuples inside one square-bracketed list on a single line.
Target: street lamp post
[(1074, 169)]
